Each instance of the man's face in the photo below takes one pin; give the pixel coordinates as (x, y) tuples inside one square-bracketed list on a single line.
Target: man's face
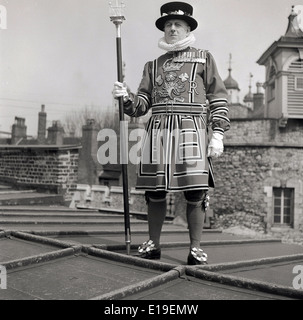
[(175, 30)]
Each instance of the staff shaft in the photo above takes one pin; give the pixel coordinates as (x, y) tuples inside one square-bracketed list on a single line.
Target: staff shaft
[(123, 143)]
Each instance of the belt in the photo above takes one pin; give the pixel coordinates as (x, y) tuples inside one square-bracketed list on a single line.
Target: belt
[(176, 108)]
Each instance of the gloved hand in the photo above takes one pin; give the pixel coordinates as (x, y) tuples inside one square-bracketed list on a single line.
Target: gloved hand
[(120, 90), (215, 147)]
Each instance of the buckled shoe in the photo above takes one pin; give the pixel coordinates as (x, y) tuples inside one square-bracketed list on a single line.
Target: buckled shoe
[(197, 257), (148, 250)]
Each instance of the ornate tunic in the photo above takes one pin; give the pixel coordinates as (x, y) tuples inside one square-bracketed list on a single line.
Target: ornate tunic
[(185, 94)]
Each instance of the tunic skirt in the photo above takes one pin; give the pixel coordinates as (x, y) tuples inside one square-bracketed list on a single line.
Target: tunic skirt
[(174, 150)]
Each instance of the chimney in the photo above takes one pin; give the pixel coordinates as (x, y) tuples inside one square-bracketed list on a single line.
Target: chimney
[(18, 131), (88, 164), (55, 134), (42, 126)]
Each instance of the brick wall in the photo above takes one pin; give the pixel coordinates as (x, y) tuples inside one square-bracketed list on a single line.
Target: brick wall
[(48, 168)]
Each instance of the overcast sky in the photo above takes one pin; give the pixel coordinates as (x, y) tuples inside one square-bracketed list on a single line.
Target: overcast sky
[(61, 53)]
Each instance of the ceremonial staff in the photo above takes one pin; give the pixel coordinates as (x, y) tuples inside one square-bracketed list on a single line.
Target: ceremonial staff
[(117, 17)]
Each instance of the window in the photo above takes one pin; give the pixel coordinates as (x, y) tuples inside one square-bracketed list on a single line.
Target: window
[(283, 206), (299, 83), (271, 90), (272, 83), (272, 72)]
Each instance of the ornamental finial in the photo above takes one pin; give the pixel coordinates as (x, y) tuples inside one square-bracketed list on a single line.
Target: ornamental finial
[(116, 11)]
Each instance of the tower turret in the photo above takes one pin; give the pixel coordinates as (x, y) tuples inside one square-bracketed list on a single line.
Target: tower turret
[(232, 86)]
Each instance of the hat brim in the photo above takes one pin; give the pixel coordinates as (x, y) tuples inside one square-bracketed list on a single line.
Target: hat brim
[(160, 23)]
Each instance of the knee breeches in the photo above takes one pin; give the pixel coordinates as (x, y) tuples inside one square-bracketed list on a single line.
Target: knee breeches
[(197, 198)]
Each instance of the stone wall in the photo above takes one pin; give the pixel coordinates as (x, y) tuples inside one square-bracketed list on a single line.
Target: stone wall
[(258, 156), (46, 168), (263, 131), (252, 221), (238, 111)]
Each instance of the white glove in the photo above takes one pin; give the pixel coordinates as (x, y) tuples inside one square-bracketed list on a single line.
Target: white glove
[(120, 90), (215, 147)]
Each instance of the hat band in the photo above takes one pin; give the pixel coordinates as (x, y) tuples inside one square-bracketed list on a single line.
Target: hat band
[(177, 12)]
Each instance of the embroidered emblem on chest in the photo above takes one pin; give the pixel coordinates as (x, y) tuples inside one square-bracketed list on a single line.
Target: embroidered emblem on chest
[(159, 80), (184, 77), (170, 65), (172, 86)]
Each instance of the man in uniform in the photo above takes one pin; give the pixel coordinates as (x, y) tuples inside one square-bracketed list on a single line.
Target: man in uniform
[(188, 100)]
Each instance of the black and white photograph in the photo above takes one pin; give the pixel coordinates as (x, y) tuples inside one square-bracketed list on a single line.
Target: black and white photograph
[(151, 153)]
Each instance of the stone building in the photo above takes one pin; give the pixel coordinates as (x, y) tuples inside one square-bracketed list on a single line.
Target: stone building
[(232, 87), (260, 176), (249, 97), (236, 108)]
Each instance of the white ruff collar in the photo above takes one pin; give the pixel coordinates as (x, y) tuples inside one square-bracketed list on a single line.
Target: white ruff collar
[(177, 46)]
